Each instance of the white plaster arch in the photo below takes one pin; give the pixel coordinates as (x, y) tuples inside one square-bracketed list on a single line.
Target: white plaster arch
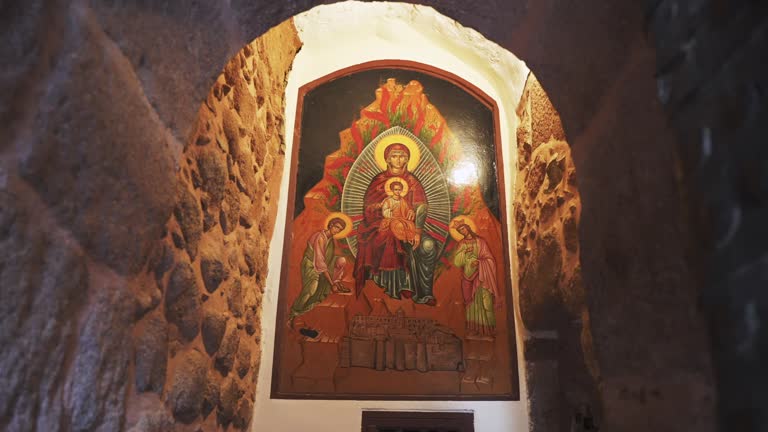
[(342, 35)]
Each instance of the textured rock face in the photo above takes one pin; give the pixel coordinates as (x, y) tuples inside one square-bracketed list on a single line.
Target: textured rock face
[(182, 301), (46, 273), (189, 217), (600, 282), (214, 325), (210, 282), (562, 372), (123, 271), (188, 385), (55, 366), (213, 272), (647, 329), (543, 205), (115, 187), (151, 353)]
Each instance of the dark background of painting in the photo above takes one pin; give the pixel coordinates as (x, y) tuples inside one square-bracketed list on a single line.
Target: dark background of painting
[(332, 106)]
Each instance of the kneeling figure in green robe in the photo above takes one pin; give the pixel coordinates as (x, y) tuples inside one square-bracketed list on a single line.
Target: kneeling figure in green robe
[(321, 269)]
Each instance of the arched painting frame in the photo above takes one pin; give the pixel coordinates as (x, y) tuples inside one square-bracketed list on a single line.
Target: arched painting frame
[(374, 332)]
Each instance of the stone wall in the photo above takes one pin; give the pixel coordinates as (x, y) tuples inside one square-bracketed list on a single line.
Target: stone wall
[(212, 261), (561, 369), (712, 74), (605, 292), (133, 265)]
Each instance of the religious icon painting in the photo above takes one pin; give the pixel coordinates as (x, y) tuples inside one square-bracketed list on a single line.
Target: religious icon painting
[(396, 281)]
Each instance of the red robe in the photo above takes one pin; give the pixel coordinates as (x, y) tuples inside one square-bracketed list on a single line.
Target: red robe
[(381, 250)]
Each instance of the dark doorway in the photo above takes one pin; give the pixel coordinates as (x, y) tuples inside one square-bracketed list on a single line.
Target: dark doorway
[(403, 421)]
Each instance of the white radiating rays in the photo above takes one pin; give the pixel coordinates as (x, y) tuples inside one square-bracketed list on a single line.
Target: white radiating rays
[(428, 172)]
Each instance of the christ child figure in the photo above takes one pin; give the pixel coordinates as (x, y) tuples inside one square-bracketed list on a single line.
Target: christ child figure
[(398, 215)]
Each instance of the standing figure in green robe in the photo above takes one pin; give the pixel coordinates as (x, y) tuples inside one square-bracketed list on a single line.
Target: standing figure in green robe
[(478, 280), (321, 269)]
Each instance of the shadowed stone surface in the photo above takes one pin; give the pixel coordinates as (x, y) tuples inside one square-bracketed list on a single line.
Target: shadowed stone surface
[(43, 283), (221, 189), (95, 392), (225, 358), (243, 414), (230, 395), (161, 260), (188, 386), (250, 322), (243, 361), (230, 209), (214, 325), (213, 169), (113, 189), (19, 24), (189, 216), (151, 354), (212, 393), (94, 176), (646, 325), (158, 420), (562, 372), (213, 272), (711, 77), (147, 298), (182, 301), (235, 299)]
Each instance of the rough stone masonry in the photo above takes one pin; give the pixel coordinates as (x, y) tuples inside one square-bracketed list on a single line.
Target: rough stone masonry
[(134, 262)]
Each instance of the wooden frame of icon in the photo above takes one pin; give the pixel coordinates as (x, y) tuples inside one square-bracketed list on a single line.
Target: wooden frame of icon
[(396, 276)]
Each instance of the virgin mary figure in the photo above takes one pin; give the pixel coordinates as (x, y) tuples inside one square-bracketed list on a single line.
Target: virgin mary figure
[(403, 269)]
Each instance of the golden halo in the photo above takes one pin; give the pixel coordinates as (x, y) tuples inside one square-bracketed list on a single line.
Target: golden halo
[(457, 235), (396, 179), (347, 229), (383, 143)]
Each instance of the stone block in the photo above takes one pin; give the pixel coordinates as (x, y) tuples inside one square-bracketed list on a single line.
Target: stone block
[(213, 271), (161, 260), (225, 358), (44, 284), (115, 197), (213, 170), (243, 360), (214, 325), (231, 393), (229, 216), (188, 385), (189, 215), (182, 301), (97, 399), (151, 354)]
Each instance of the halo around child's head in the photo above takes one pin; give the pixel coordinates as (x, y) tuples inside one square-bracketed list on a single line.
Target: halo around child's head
[(347, 228), (413, 149), (458, 221), (388, 186)]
